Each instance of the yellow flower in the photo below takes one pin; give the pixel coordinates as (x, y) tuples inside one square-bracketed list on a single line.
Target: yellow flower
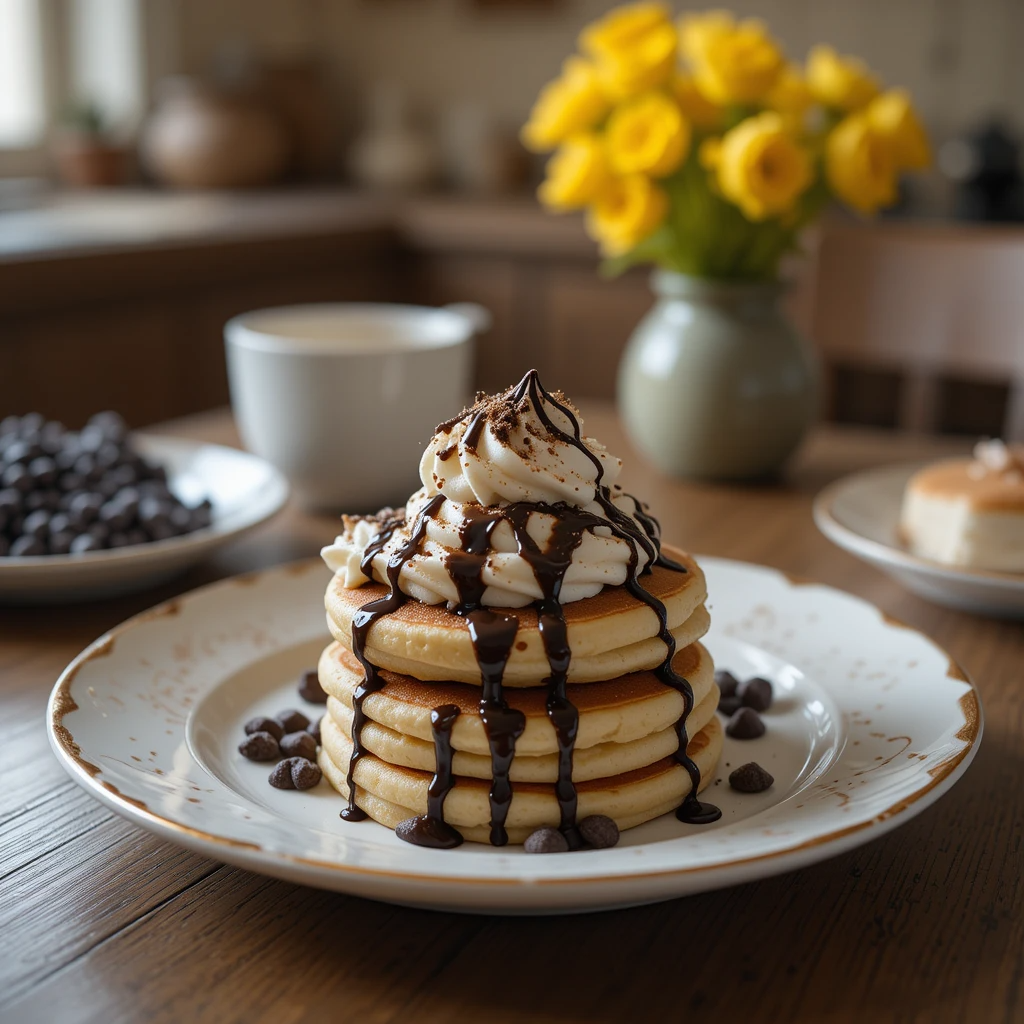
[(790, 94), (576, 174), (759, 166), (733, 62), (696, 107), (571, 103), (626, 212), (633, 48), (859, 165), (892, 116), (696, 29), (648, 135), (842, 82)]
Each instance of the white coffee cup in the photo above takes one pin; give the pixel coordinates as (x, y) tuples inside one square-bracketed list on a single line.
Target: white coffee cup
[(342, 397)]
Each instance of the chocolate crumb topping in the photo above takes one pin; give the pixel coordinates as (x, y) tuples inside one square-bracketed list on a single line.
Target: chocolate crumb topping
[(504, 413)]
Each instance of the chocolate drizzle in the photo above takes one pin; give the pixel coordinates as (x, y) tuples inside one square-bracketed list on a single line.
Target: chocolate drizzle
[(365, 618), (493, 631), (493, 634), (431, 829)]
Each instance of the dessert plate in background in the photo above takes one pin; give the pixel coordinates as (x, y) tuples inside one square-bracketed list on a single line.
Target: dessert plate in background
[(871, 723), (861, 514), (245, 491)]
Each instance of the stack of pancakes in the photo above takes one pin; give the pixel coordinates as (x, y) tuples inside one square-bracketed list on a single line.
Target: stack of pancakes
[(624, 763)]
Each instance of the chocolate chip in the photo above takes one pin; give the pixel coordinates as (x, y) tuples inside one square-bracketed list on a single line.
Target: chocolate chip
[(599, 831), (10, 500), (298, 744), (305, 774), (37, 524), (292, 720), (260, 746), (295, 773), (18, 477), (546, 840), (60, 543), (43, 470), (84, 543), (110, 425), (756, 693), (745, 724), (281, 776), (726, 682), (264, 724), (750, 778), (314, 729), (116, 515), (85, 508), (27, 546), (310, 688), (729, 705)]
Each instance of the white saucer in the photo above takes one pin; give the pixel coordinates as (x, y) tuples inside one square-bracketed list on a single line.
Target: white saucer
[(861, 513), (245, 491), (872, 722)]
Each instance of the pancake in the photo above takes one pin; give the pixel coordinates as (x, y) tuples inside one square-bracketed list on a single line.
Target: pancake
[(391, 794), (593, 762), (610, 634), (615, 711)]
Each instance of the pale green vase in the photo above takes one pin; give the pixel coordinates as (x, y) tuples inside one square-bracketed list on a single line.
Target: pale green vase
[(715, 382)]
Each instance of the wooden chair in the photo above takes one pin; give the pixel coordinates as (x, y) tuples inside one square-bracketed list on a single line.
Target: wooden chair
[(927, 302)]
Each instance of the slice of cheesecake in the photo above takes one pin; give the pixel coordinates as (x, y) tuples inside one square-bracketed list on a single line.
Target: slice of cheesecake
[(969, 512)]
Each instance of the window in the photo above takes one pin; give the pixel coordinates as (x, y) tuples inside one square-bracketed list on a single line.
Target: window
[(22, 98), (60, 54)]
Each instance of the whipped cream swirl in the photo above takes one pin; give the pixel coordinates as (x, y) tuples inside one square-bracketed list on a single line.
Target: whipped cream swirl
[(502, 452)]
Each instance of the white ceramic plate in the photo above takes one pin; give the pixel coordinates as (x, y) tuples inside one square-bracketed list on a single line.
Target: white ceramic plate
[(861, 513), (245, 491), (872, 722)]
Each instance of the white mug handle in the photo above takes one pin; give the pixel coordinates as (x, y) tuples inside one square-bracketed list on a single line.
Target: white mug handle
[(479, 317)]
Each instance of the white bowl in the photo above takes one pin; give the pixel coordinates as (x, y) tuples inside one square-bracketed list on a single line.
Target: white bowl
[(244, 490), (861, 514), (342, 397)]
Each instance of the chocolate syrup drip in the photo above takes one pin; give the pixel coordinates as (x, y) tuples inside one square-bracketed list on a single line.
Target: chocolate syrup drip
[(431, 829), (474, 429), (691, 810), (549, 569), (493, 634), (365, 618)]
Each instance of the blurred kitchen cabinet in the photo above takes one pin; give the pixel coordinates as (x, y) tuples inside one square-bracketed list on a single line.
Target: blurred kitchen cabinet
[(539, 277), (588, 321), (141, 330)]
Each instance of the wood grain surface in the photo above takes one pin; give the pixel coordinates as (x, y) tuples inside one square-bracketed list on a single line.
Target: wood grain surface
[(99, 921)]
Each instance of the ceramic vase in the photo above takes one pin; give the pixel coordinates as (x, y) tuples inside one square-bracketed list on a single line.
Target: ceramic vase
[(715, 383)]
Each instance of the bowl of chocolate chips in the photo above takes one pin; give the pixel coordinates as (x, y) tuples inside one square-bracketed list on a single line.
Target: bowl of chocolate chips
[(99, 511)]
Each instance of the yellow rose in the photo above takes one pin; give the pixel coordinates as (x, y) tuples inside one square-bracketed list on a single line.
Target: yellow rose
[(633, 48), (696, 29), (626, 212), (790, 94), (859, 165), (696, 107), (732, 62), (842, 82), (648, 135), (572, 103), (576, 174), (759, 166), (892, 116)]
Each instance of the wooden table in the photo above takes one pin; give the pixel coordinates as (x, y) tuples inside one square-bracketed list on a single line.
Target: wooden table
[(99, 921)]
